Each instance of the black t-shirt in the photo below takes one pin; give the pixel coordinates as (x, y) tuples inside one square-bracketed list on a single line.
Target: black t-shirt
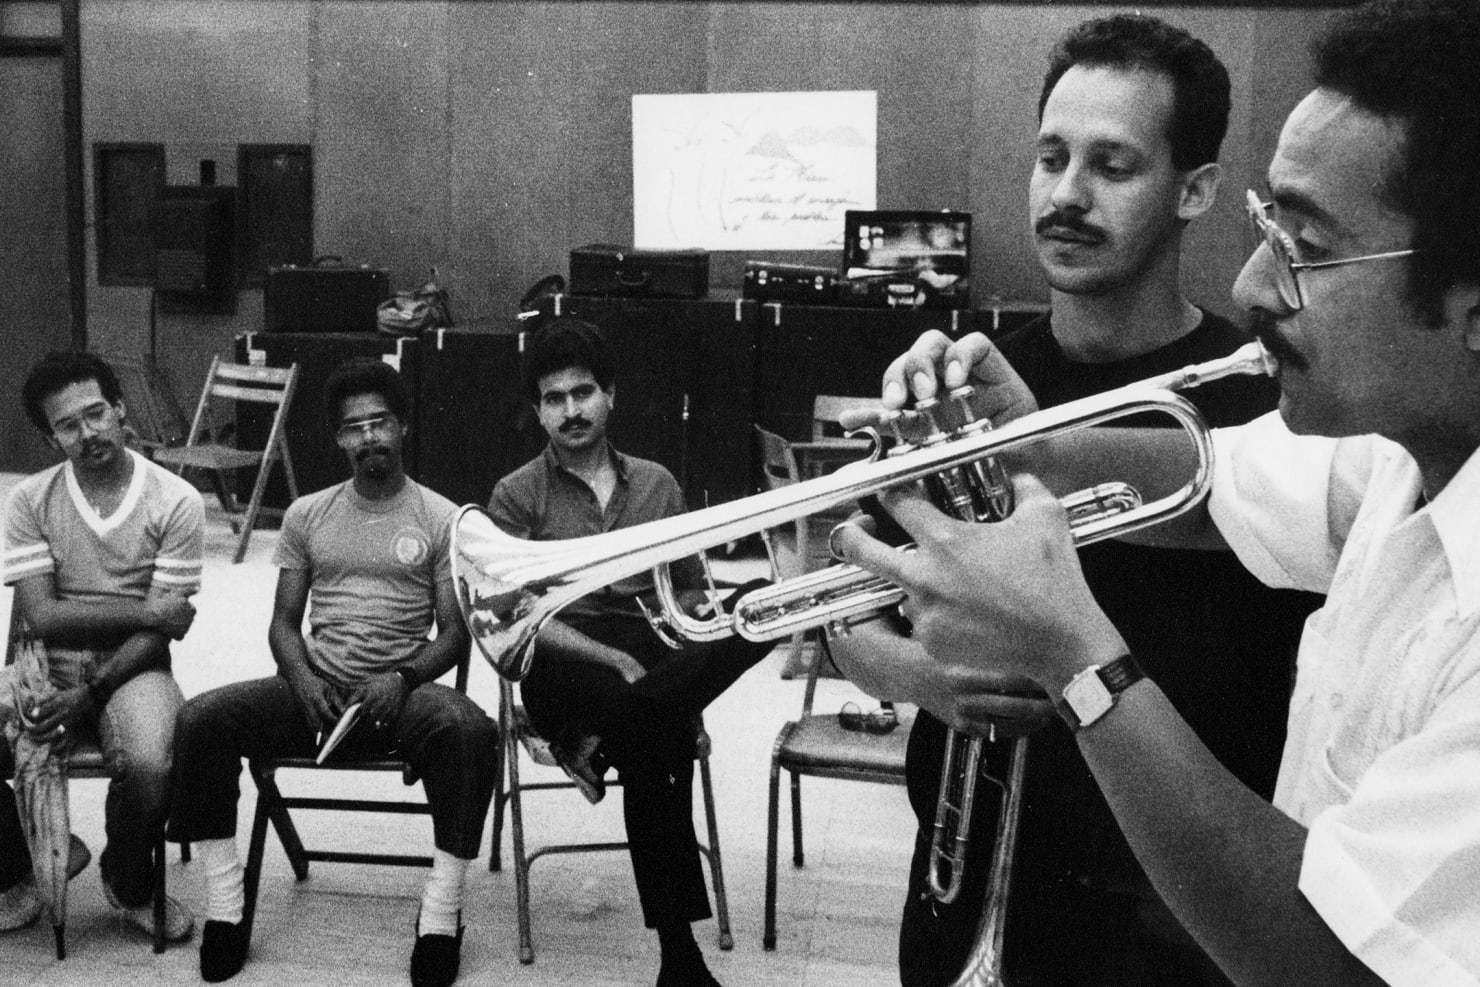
[(1220, 644)]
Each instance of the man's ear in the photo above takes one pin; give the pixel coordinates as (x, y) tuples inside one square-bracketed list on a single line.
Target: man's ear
[(1462, 309), (611, 394), (1199, 191)]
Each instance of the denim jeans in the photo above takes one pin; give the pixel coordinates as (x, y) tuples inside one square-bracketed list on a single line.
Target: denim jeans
[(447, 739), (135, 731)]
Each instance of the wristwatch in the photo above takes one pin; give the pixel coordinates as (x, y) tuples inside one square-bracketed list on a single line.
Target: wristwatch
[(409, 677), (1091, 694)]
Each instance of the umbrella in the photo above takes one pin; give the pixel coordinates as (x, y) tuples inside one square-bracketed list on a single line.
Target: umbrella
[(41, 786)]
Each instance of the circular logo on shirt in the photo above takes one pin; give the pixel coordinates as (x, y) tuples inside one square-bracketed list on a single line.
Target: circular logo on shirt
[(410, 545)]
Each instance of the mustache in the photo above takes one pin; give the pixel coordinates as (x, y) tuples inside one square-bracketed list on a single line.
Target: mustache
[(369, 451), (571, 424), (1264, 327), (1068, 222)]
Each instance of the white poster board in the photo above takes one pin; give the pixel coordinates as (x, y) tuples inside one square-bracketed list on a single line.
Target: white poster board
[(751, 171)]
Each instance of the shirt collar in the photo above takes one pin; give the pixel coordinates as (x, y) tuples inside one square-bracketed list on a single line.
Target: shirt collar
[(619, 462), (1453, 516)]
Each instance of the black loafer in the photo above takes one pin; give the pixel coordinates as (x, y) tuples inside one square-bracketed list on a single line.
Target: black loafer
[(223, 950), (435, 959)]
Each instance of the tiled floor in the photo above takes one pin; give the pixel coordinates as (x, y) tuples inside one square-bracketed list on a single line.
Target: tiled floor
[(351, 924)]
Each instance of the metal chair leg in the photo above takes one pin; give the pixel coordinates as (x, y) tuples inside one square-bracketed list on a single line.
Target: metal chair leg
[(768, 937), (798, 858), (716, 861)]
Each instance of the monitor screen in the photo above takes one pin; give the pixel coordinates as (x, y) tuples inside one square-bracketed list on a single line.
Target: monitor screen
[(919, 253)]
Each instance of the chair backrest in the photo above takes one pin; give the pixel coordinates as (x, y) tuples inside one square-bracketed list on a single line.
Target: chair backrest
[(828, 408), (227, 381), (154, 415), (778, 462)]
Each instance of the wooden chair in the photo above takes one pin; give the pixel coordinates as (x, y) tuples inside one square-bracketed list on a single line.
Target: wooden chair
[(817, 744), (205, 447), (84, 761), (519, 734), (275, 807)]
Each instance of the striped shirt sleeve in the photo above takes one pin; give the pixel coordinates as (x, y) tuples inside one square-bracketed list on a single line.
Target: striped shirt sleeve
[(27, 552), (177, 564)]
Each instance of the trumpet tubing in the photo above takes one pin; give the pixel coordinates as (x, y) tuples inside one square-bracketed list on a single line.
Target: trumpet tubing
[(509, 587)]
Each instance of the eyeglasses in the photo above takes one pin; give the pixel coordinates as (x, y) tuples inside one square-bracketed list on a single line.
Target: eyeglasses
[(1283, 248), (381, 427), (97, 418)]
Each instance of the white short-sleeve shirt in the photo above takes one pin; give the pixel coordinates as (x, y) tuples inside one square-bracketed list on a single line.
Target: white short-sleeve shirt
[(152, 540), (1382, 756)]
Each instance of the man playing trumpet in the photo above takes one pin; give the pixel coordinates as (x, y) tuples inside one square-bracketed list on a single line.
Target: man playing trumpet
[(1366, 287)]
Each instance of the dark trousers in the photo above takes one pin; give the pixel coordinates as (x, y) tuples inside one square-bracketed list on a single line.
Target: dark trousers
[(447, 739), (647, 729), (1064, 929)]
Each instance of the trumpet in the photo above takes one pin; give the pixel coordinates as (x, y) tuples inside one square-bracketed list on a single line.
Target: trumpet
[(508, 588)]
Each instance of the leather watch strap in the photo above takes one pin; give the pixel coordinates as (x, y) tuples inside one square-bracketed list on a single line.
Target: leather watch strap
[(1094, 690)]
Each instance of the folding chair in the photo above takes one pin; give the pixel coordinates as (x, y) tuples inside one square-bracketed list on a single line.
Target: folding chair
[(782, 463), (519, 733), (817, 744), (273, 806), (205, 447), (85, 761)]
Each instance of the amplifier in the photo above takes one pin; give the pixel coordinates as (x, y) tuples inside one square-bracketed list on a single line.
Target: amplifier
[(766, 281), (323, 298)]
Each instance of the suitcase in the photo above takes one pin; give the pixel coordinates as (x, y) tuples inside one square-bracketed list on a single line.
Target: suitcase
[(608, 269), (326, 297)]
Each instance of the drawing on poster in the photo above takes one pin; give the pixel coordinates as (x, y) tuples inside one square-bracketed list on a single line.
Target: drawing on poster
[(751, 171)]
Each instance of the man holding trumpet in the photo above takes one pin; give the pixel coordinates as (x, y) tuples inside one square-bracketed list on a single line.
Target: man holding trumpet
[(1366, 288), (1132, 115)]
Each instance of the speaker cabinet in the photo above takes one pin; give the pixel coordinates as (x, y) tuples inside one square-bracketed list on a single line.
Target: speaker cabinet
[(318, 462), (474, 422), (193, 233)]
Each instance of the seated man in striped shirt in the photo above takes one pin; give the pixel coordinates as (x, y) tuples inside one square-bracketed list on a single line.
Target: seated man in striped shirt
[(104, 552)]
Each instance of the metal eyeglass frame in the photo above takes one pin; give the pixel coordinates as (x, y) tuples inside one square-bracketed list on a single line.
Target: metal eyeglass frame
[(1283, 249)]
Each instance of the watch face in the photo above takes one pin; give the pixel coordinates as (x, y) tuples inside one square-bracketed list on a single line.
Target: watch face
[(1088, 697)]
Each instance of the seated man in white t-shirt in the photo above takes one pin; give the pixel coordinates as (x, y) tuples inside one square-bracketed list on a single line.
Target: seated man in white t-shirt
[(104, 553), (1366, 288), (372, 554)]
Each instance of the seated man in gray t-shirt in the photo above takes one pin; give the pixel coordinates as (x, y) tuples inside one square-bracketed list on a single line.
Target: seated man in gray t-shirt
[(373, 556)]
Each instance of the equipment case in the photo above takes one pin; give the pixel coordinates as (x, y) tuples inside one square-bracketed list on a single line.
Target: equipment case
[(608, 269), (327, 297)]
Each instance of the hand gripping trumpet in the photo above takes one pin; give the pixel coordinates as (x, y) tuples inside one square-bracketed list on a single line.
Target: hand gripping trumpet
[(509, 587)]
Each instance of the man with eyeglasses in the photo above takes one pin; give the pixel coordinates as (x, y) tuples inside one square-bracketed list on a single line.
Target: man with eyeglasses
[(1366, 289), (104, 552), (373, 555)]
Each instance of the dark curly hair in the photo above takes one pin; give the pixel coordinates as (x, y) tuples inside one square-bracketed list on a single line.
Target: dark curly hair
[(564, 343), (364, 375), (1416, 63), (1137, 41), (55, 371)]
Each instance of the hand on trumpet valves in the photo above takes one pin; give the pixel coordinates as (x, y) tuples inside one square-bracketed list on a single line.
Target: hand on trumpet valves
[(936, 365), (1009, 597), (980, 702)]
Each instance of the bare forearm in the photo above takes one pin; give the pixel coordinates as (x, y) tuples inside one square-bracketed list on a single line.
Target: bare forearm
[(1224, 860), (141, 651), (75, 622), (289, 650), (561, 642), (441, 653)]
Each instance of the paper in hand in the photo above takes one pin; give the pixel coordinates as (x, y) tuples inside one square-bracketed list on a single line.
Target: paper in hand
[(346, 721)]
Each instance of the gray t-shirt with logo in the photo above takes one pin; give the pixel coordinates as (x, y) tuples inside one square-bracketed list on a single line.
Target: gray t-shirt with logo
[(373, 567)]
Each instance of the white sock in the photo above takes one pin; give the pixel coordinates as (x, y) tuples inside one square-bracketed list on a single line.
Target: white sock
[(226, 894), (442, 899)]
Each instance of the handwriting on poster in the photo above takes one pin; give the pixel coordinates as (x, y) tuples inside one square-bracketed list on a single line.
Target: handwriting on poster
[(749, 171)]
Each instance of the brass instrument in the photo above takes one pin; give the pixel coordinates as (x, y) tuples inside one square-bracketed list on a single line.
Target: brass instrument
[(508, 587)]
